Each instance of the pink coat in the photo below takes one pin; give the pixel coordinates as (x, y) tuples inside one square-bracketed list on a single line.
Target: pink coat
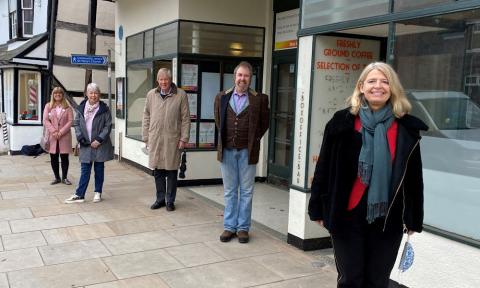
[(62, 123)]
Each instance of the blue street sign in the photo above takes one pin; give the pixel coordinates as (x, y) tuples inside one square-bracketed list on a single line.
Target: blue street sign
[(88, 59)]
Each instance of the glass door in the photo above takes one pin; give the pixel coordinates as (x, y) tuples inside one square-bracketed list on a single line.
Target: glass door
[(282, 118)]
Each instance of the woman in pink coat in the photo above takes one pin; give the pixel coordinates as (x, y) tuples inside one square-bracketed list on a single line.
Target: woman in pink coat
[(58, 118)]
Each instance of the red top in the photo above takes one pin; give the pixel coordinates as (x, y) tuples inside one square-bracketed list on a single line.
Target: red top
[(358, 187)]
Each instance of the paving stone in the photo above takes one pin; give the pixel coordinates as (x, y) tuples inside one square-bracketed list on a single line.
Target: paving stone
[(232, 274), (74, 274), (288, 265), (34, 201), (257, 245), (3, 280), (194, 254), (197, 233), (49, 222), (141, 263), (12, 187), (15, 213), (139, 242), (50, 210), (5, 228), (193, 218), (77, 233), (139, 225), (136, 282), (23, 194), (111, 215), (16, 259), (23, 240), (74, 251), (321, 280)]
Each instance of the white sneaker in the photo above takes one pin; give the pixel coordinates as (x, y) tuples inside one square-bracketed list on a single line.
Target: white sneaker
[(97, 197), (74, 199)]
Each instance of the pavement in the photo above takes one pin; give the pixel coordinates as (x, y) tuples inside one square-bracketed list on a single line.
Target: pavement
[(120, 242)]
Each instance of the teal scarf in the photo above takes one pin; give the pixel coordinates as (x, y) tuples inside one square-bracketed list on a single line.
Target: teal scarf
[(374, 162)]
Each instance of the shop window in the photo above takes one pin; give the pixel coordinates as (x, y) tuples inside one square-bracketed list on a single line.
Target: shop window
[(202, 80), (29, 97), (217, 39), (438, 61), (165, 39), (323, 12), (139, 82), (148, 47), (135, 47), (405, 5)]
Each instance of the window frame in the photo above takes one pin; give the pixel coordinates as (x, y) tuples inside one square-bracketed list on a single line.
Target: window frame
[(39, 97), (13, 24), (23, 17)]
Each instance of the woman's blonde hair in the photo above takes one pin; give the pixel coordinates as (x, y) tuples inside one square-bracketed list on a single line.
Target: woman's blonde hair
[(398, 99), (52, 99)]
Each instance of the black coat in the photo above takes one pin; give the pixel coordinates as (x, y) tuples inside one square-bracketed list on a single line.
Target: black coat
[(336, 171)]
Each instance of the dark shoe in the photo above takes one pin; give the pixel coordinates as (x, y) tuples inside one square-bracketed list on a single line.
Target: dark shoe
[(170, 207), (56, 181), (66, 182), (243, 236), (157, 205), (227, 236)]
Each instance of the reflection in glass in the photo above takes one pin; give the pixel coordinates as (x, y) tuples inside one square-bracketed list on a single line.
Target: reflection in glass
[(139, 82), (438, 61), (283, 114)]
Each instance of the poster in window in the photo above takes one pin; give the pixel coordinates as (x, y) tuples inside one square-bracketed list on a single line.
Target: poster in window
[(120, 97), (192, 104), (339, 61), (207, 135), (192, 142), (190, 77)]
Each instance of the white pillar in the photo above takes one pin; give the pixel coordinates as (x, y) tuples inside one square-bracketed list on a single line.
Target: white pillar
[(302, 232)]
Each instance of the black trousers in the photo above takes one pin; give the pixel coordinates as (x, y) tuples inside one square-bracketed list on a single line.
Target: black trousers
[(166, 184), (55, 164), (364, 254)]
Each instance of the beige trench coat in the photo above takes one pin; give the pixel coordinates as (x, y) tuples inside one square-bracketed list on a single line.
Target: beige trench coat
[(165, 122)]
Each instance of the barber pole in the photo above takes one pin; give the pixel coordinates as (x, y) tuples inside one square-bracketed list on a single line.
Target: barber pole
[(33, 95)]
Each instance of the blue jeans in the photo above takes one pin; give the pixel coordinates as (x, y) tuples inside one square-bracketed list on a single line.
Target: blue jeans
[(238, 180), (86, 168)]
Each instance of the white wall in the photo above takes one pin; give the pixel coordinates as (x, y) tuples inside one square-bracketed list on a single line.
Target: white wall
[(24, 135), (73, 11), (40, 21), (70, 42), (105, 15), (225, 11), (4, 26)]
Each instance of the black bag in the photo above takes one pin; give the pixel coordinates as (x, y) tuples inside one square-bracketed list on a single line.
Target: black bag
[(32, 150), (183, 165)]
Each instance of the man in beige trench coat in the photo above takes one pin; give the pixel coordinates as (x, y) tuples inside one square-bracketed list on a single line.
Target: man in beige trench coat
[(165, 131)]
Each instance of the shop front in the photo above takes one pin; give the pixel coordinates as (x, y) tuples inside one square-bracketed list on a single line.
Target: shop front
[(201, 44), (434, 46)]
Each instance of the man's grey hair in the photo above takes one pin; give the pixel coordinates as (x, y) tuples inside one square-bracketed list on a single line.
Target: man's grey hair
[(243, 64), (164, 71), (93, 87)]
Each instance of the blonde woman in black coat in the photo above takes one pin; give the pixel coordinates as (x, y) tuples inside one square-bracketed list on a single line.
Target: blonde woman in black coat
[(368, 187)]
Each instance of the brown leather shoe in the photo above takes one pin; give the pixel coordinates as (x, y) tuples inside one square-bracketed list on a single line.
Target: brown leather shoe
[(243, 236), (226, 236)]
